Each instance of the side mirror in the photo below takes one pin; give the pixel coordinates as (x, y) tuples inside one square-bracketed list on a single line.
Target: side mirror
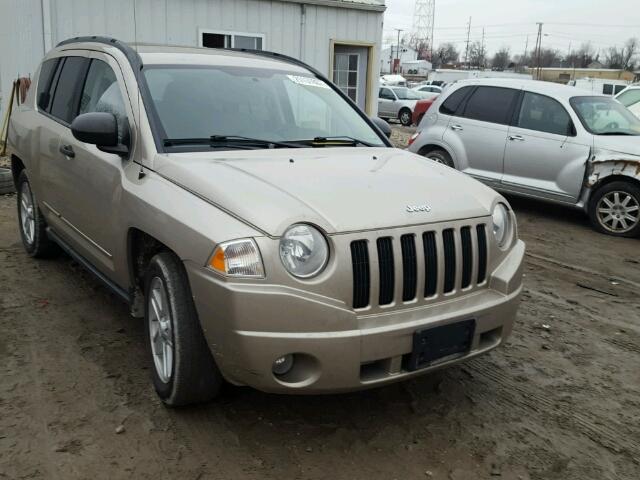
[(382, 125), (99, 129)]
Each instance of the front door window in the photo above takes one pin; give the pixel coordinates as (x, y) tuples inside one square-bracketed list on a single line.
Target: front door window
[(345, 73)]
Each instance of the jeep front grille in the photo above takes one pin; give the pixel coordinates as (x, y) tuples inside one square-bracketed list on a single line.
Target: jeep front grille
[(454, 250)]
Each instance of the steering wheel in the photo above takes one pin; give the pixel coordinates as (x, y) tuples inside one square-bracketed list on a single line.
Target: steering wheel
[(612, 126)]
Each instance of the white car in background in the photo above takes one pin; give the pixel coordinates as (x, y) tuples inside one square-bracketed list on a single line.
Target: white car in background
[(630, 98), (428, 89), (397, 102)]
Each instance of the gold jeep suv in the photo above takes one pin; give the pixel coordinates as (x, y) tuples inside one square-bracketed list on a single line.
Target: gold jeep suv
[(260, 222)]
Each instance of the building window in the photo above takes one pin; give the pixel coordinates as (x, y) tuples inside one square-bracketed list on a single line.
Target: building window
[(345, 73), (222, 39)]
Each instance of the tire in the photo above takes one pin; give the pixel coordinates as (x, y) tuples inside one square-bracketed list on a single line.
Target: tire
[(405, 117), (614, 209), (439, 156), (190, 374), (6, 181), (32, 225)]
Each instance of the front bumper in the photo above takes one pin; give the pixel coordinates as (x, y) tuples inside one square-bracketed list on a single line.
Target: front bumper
[(249, 325)]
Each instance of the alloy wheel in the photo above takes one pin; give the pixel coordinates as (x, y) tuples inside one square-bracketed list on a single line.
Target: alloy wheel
[(27, 214), (161, 330), (618, 212)]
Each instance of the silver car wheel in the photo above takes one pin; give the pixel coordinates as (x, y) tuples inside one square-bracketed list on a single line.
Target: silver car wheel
[(161, 330), (27, 215), (436, 159), (405, 118), (618, 212)]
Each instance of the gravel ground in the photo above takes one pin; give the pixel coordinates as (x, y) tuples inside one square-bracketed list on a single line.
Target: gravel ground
[(561, 400)]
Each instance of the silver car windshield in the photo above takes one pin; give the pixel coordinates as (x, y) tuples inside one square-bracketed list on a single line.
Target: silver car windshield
[(198, 102), (605, 116), (404, 93)]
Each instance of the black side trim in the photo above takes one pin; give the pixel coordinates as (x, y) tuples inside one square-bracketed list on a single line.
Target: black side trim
[(123, 294)]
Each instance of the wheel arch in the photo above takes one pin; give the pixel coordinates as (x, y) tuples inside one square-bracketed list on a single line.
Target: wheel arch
[(17, 166), (141, 247), (430, 147), (616, 177)]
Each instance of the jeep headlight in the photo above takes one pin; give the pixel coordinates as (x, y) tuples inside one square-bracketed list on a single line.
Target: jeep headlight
[(501, 224), (237, 258), (303, 250)]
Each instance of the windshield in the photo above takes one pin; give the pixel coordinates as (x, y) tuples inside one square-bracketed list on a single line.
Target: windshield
[(406, 94), (605, 116), (629, 97), (196, 102)]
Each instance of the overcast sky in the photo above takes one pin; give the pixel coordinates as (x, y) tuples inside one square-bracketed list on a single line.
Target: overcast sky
[(507, 23)]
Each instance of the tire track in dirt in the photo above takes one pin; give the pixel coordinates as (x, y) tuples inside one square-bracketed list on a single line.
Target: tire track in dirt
[(604, 432)]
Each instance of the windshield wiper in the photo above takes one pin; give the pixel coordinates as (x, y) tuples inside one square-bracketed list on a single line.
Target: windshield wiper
[(230, 141), (338, 140)]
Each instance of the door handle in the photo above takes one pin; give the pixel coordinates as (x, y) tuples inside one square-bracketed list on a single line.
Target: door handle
[(517, 138), (67, 151), (456, 127)]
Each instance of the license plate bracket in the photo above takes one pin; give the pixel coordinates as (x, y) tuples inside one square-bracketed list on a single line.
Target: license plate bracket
[(432, 344)]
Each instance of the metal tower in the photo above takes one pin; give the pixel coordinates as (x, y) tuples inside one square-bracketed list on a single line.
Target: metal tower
[(423, 18)]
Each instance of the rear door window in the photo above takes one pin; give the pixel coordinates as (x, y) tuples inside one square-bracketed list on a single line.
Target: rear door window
[(453, 101), (618, 89), (544, 114), (67, 91), (491, 104), (45, 82)]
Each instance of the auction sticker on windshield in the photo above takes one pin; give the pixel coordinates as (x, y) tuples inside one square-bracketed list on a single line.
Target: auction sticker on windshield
[(309, 81)]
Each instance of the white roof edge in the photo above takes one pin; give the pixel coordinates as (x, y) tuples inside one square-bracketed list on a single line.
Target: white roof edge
[(374, 5)]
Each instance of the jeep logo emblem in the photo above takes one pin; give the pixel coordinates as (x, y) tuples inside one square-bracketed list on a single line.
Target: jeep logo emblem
[(418, 208)]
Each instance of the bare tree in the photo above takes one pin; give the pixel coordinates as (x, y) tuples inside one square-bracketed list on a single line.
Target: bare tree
[(622, 58), (548, 58), (477, 55), (445, 53), (582, 57), (629, 52), (501, 59)]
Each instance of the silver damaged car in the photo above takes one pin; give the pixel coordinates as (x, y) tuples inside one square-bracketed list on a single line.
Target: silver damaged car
[(258, 221)]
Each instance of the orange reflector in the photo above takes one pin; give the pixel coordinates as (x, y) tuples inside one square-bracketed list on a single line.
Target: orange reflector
[(217, 260)]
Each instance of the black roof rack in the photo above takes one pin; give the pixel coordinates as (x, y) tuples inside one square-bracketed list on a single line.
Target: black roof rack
[(132, 56)]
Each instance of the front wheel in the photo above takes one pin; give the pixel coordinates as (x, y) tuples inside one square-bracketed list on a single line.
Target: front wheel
[(615, 209), (405, 117), (33, 227), (183, 369)]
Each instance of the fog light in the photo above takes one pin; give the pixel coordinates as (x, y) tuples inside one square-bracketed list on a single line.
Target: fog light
[(282, 365)]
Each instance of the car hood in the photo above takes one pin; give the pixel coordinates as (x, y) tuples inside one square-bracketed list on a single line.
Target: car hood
[(339, 189), (618, 143)]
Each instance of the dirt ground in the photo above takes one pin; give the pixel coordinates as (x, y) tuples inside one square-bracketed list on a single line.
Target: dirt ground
[(561, 400)]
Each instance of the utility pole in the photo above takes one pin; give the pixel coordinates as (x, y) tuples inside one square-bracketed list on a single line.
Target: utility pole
[(539, 51), (397, 65), (466, 53), (524, 57), (482, 51)]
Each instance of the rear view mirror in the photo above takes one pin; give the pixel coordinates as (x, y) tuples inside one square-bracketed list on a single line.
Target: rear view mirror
[(99, 129), (382, 125)]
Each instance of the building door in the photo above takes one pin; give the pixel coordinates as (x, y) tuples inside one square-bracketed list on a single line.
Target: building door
[(350, 66)]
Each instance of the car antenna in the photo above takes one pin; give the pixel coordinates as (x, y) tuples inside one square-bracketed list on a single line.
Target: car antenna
[(141, 173)]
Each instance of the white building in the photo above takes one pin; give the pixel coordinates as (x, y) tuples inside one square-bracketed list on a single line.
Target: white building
[(340, 38), (390, 53)]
